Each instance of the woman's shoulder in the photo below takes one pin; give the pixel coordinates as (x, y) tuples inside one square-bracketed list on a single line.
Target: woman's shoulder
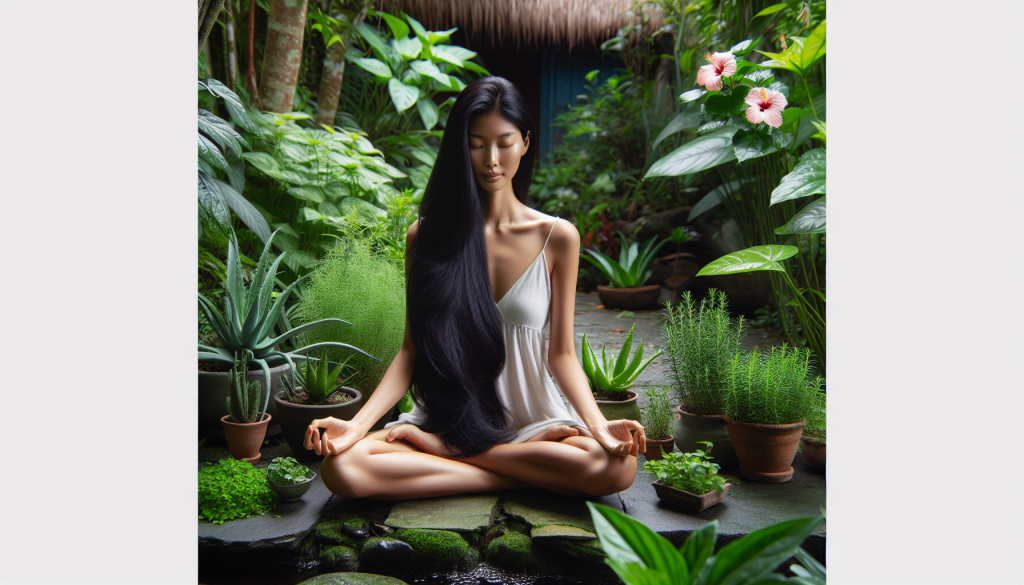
[(564, 235)]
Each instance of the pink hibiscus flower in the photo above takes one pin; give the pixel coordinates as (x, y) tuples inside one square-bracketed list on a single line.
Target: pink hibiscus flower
[(765, 106), (710, 76)]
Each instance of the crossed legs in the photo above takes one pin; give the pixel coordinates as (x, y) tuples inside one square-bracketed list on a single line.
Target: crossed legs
[(405, 468)]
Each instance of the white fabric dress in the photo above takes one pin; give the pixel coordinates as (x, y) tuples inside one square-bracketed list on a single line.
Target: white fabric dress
[(524, 385)]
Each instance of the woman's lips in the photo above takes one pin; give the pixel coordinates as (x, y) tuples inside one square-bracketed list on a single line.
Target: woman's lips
[(493, 179)]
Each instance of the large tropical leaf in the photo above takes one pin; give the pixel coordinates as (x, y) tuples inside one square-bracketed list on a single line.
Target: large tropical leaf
[(757, 554), (375, 66), (806, 178), (221, 133), (752, 144), (234, 105), (424, 67), (809, 220), (696, 155), (749, 260), (245, 211), (626, 540), (712, 199), (805, 127), (209, 152), (402, 95), (428, 112)]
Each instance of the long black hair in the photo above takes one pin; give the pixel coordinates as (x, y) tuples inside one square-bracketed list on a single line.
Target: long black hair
[(454, 323)]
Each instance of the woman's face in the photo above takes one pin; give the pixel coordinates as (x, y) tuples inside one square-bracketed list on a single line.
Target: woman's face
[(495, 149)]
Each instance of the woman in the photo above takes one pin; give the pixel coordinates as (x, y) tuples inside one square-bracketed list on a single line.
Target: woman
[(487, 416)]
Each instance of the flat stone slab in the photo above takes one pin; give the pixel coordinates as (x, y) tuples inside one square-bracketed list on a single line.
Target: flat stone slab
[(352, 579), (562, 532), (463, 513), (297, 519), (541, 508)]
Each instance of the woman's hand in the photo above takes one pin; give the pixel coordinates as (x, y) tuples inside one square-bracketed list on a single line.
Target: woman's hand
[(338, 436), (615, 436)]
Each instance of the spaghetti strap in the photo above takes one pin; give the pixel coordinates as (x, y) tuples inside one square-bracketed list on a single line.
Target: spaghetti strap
[(549, 234)]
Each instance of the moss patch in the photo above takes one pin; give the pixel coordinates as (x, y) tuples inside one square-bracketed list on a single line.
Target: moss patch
[(376, 557), (330, 533), (340, 558), (435, 549), (587, 550), (512, 551)]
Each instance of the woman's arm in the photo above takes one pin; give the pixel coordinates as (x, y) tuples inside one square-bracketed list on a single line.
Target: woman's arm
[(562, 360), (396, 380)]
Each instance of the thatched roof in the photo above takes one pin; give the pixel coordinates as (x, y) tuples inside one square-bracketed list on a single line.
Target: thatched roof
[(515, 23)]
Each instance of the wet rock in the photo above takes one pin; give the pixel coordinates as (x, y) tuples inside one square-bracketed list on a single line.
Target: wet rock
[(332, 533), (385, 553), (352, 579), (554, 531), (436, 550), (358, 533), (340, 558), (464, 513), (540, 508), (585, 550), (512, 551)]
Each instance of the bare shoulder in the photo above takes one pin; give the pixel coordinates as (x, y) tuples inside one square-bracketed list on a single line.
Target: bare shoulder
[(565, 239), (410, 235)]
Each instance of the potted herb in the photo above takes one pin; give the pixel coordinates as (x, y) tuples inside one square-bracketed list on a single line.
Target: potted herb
[(689, 480), (657, 420), (701, 342), (610, 381), (247, 324), (319, 393), (288, 478), (627, 276), (812, 442), (245, 425), (769, 397)]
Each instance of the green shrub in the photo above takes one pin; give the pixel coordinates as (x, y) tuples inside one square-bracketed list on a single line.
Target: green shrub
[(701, 343), (367, 290), (233, 489), (657, 416), (815, 426), (771, 387), (692, 472), (287, 471)]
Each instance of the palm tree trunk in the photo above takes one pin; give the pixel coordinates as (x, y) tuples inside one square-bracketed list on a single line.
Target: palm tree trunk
[(285, 27), (334, 70), (232, 46), (208, 11), (250, 66)]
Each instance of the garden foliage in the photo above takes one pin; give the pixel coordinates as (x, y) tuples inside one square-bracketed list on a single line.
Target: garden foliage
[(617, 374), (287, 471), (692, 472), (233, 489), (771, 387), (657, 416)]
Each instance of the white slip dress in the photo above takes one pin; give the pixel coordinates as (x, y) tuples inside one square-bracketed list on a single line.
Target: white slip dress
[(524, 385)]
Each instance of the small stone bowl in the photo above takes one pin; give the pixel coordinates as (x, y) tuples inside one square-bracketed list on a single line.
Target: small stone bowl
[(290, 493)]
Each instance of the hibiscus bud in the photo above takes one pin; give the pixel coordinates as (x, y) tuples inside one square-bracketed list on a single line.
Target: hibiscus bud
[(782, 39)]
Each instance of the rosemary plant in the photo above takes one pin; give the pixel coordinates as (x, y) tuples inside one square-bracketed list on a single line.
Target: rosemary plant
[(657, 415), (771, 387), (244, 399), (815, 426), (701, 344)]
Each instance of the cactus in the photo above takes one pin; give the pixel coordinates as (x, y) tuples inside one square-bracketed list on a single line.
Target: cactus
[(245, 396)]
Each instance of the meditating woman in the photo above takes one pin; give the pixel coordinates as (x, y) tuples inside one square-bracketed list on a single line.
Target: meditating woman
[(487, 415)]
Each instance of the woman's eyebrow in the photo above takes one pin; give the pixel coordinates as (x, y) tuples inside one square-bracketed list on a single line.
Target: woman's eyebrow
[(502, 136)]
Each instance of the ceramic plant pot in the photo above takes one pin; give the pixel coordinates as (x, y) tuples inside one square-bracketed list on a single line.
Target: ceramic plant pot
[(685, 499), (290, 493), (691, 428), (638, 298), (214, 388), (657, 448), (814, 452), (766, 452), (244, 439), (620, 409), (296, 418)]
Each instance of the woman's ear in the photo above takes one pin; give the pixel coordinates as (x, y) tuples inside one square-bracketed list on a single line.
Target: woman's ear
[(526, 144)]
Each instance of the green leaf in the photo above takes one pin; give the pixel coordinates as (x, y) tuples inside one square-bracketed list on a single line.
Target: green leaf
[(809, 220), (637, 574), (696, 155), (790, 118), (806, 178), (441, 53), (758, 553), (722, 105), (626, 540), (372, 38), (475, 68), (779, 87), (751, 259), (366, 213), (693, 94), (814, 47), (681, 122), (244, 210), (402, 95), (770, 10), (761, 78), (742, 48), (398, 28), (311, 194), (806, 126), (461, 53), (409, 47), (742, 67), (440, 36), (211, 154), (424, 67), (713, 198), (752, 144), (374, 66), (699, 546), (627, 344), (428, 112)]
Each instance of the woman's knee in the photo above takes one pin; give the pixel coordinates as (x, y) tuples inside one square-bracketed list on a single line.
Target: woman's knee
[(343, 473), (612, 475)]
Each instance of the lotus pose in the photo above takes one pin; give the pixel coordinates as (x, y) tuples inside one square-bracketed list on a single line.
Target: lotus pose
[(486, 275)]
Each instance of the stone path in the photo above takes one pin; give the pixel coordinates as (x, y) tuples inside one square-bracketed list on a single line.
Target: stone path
[(522, 531)]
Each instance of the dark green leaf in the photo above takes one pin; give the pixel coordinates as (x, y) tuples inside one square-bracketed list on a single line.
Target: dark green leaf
[(743, 47), (771, 9), (697, 155), (630, 541), (809, 220), (687, 119), (790, 117), (779, 87), (699, 546), (713, 198), (761, 551), (761, 78), (693, 94), (806, 178), (752, 144), (244, 210), (727, 105)]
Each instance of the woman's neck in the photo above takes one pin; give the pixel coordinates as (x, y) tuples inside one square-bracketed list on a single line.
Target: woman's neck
[(501, 208)]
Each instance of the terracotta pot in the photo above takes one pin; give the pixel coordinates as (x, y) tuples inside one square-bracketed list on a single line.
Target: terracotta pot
[(295, 419), (657, 448), (766, 452), (214, 389), (244, 439), (685, 499), (621, 409), (636, 298), (814, 452), (691, 428)]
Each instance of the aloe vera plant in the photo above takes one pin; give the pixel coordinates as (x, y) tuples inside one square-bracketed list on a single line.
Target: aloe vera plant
[(249, 317), (317, 382), (631, 270), (616, 375)]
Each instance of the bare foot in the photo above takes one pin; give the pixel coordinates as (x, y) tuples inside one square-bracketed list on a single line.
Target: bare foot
[(428, 442), (556, 432)]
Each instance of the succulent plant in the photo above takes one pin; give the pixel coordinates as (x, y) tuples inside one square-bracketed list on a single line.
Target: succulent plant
[(243, 401), (618, 374), (249, 316), (631, 270), (317, 382)]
